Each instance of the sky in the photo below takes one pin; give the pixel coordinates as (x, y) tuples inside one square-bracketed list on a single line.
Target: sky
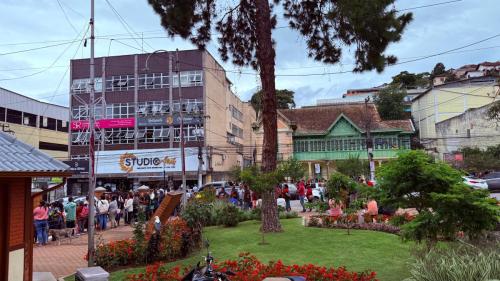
[(55, 28)]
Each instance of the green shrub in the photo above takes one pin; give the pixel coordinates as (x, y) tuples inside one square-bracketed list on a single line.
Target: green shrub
[(256, 214), (229, 215), (197, 214), (464, 263), (398, 220)]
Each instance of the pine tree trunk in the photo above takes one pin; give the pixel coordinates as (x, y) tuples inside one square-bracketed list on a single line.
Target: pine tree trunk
[(265, 58)]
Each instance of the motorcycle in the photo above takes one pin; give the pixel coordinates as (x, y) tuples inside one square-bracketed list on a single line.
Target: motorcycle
[(207, 273)]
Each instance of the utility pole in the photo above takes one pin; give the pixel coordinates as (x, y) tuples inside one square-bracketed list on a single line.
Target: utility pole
[(91, 142), (369, 142), (183, 160)]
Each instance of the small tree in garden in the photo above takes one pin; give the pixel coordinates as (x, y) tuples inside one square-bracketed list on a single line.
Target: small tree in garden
[(339, 186), (409, 180), (261, 182), (353, 167), (140, 244), (292, 168)]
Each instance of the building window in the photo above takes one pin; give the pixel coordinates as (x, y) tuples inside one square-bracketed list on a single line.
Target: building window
[(153, 134), (153, 81), (120, 83), (2, 113), (235, 113), (188, 79), (118, 136), (80, 138), (120, 110), (62, 126), (29, 119), (14, 116), (80, 113), (52, 146), (236, 131), (83, 85)]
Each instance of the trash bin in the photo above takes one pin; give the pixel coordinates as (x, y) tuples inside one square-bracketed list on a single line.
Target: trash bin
[(95, 273)]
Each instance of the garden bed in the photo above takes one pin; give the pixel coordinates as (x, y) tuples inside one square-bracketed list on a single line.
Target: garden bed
[(325, 221)]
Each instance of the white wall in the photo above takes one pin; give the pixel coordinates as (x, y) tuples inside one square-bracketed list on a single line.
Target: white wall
[(16, 265)]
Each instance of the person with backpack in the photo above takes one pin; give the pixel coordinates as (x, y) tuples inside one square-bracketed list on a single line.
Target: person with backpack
[(287, 196), (102, 208)]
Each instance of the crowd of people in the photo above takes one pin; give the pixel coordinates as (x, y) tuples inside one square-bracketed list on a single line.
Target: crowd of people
[(110, 210)]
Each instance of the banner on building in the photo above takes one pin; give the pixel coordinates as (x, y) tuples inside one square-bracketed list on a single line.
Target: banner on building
[(146, 161), (168, 120), (77, 125), (317, 168)]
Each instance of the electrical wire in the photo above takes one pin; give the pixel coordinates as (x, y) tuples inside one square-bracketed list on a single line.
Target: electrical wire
[(66, 17)]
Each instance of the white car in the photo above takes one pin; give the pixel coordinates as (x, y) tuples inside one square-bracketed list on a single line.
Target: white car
[(475, 183)]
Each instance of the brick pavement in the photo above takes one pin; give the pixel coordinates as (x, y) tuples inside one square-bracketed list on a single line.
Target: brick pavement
[(63, 260)]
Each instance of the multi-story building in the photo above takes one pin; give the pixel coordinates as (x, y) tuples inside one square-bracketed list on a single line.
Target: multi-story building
[(318, 136), (449, 100), (39, 124), (138, 113)]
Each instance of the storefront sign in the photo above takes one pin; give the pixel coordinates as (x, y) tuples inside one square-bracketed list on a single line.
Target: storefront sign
[(168, 120), (146, 161), (78, 167), (103, 124)]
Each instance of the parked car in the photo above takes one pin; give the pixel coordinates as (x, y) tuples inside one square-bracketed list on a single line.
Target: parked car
[(492, 180), (475, 182), (217, 185)]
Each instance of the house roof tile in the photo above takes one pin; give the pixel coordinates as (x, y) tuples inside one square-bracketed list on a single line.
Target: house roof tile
[(318, 119)]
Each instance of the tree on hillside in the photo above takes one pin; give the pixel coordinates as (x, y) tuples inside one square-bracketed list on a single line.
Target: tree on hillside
[(407, 80), (390, 103), (245, 29), (438, 69), (284, 100)]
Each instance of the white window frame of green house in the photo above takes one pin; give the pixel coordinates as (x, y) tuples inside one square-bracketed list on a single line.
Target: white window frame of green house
[(350, 144)]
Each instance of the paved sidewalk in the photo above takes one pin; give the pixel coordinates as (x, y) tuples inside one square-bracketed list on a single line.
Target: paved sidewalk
[(63, 260)]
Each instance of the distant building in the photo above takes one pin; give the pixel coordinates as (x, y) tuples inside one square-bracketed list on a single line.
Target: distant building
[(469, 129), (449, 100), (139, 137), (318, 136), (39, 124)]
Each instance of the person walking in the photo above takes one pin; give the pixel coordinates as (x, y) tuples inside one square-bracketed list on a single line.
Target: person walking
[(112, 211), (247, 198), (301, 191), (82, 216), (129, 209), (287, 197), (309, 195), (102, 208), (70, 210), (40, 216)]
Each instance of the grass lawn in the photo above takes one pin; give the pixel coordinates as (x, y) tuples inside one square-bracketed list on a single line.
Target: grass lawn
[(362, 250)]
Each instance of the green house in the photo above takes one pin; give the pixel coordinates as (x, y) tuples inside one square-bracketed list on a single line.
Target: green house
[(325, 134)]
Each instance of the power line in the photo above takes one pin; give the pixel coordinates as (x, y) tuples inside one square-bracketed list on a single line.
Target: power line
[(66, 17), (430, 5), (124, 23), (38, 48)]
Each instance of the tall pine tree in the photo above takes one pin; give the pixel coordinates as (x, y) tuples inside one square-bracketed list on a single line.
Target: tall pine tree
[(245, 29)]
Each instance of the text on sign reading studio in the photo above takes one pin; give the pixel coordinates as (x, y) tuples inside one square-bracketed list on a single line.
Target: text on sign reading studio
[(129, 162)]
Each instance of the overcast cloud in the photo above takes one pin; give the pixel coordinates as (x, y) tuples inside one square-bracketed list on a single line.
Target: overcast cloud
[(44, 73)]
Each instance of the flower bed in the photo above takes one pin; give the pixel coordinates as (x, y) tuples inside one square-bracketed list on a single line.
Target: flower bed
[(175, 241), (327, 222), (249, 268)]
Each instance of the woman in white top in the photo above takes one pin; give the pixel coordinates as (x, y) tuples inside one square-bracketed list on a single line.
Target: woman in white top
[(129, 209), (102, 208)]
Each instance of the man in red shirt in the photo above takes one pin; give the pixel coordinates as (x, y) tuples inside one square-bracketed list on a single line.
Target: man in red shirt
[(301, 191)]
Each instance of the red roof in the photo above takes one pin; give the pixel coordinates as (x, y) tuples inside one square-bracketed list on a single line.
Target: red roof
[(318, 119)]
